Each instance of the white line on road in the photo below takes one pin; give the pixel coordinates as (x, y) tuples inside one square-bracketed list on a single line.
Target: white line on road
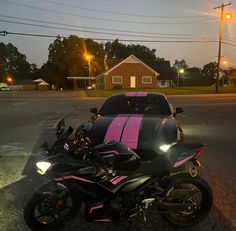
[(18, 104)]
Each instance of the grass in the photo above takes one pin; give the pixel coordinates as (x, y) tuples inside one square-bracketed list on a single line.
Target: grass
[(167, 91)]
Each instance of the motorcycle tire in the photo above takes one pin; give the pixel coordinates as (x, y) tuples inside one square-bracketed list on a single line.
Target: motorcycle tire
[(37, 202), (190, 218)]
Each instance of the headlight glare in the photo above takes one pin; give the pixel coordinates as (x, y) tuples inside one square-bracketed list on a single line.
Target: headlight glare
[(43, 167), (166, 147)]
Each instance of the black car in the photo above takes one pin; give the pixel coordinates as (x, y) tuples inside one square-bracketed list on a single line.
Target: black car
[(144, 121)]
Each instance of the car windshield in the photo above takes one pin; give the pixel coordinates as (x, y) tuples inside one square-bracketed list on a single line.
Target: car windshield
[(121, 104)]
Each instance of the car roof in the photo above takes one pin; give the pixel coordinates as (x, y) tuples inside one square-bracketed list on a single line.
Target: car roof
[(137, 94)]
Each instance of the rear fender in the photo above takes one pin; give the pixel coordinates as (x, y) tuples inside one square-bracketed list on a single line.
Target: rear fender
[(166, 181)]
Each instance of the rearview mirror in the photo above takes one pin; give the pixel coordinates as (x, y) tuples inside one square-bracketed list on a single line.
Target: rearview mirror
[(94, 110)]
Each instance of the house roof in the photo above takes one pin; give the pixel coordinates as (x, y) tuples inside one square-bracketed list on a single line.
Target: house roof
[(43, 83), (131, 59), (38, 80)]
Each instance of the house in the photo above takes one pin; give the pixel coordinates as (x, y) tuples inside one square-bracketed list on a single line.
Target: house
[(167, 76), (30, 85), (129, 73)]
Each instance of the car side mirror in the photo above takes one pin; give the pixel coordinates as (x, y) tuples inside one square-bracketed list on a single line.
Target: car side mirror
[(94, 110), (178, 110)]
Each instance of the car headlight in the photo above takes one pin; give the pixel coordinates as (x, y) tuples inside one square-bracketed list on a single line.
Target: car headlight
[(43, 167), (166, 147)]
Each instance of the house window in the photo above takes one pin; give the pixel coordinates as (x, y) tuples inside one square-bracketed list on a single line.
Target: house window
[(117, 80), (163, 83), (146, 79)]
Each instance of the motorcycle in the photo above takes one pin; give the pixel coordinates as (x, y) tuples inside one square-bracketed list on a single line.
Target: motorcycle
[(110, 183)]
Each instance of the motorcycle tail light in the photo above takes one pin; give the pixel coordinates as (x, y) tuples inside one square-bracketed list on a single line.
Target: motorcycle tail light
[(200, 152)]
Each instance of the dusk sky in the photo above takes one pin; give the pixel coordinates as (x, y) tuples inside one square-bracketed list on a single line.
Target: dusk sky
[(142, 20)]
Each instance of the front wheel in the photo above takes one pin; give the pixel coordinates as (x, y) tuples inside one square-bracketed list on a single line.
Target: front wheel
[(44, 211), (191, 198)]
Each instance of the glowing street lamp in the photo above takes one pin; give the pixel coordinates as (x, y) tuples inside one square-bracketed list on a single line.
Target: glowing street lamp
[(180, 72), (228, 16), (88, 57), (9, 80)]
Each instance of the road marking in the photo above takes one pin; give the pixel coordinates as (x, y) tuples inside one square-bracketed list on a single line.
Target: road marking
[(193, 120), (51, 121), (18, 104)]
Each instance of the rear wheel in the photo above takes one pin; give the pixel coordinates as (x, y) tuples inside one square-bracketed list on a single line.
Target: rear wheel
[(195, 197), (44, 211)]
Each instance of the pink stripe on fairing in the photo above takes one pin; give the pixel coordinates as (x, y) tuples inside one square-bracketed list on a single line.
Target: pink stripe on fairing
[(114, 178), (178, 163), (131, 131), (109, 152), (142, 94), (95, 207), (116, 127), (118, 180), (74, 178)]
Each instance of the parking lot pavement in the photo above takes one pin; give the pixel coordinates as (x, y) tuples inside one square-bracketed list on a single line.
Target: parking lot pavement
[(25, 125)]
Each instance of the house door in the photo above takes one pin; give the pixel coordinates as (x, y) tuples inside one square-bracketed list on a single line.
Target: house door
[(132, 81)]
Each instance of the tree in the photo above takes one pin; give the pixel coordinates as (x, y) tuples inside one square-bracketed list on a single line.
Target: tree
[(192, 76), (67, 58), (116, 51), (13, 63), (180, 64), (209, 72), (232, 77)]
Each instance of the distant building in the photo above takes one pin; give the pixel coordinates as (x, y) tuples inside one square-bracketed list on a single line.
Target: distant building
[(30, 85), (129, 73), (167, 76)]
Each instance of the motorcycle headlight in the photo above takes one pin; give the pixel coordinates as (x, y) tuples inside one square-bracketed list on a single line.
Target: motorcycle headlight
[(166, 147), (43, 167)]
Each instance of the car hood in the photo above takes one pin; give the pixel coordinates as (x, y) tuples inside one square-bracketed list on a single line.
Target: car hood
[(142, 133)]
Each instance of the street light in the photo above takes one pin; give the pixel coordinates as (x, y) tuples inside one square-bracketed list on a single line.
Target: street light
[(180, 72), (9, 80), (222, 17), (228, 16), (88, 57), (225, 64)]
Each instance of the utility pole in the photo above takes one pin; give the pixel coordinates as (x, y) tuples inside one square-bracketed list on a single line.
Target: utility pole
[(220, 42)]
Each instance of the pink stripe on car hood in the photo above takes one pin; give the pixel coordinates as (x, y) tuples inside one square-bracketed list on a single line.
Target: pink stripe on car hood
[(115, 129), (131, 131), (125, 128)]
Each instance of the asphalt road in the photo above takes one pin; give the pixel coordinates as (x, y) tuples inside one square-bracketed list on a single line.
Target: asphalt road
[(28, 119)]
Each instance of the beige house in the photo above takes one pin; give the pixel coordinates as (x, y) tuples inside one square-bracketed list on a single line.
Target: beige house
[(129, 73)]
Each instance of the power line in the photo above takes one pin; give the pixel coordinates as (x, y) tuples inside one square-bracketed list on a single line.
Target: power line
[(119, 13), (103, 19), (111, 39), (229, 44), (5, 33), (95, 28), (88, 31), (231, 40)]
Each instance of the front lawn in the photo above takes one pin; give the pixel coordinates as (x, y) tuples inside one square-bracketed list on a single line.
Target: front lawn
[(167, 91)]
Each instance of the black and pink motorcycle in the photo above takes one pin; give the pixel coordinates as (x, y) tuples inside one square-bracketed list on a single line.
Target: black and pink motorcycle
[(110, 183)]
